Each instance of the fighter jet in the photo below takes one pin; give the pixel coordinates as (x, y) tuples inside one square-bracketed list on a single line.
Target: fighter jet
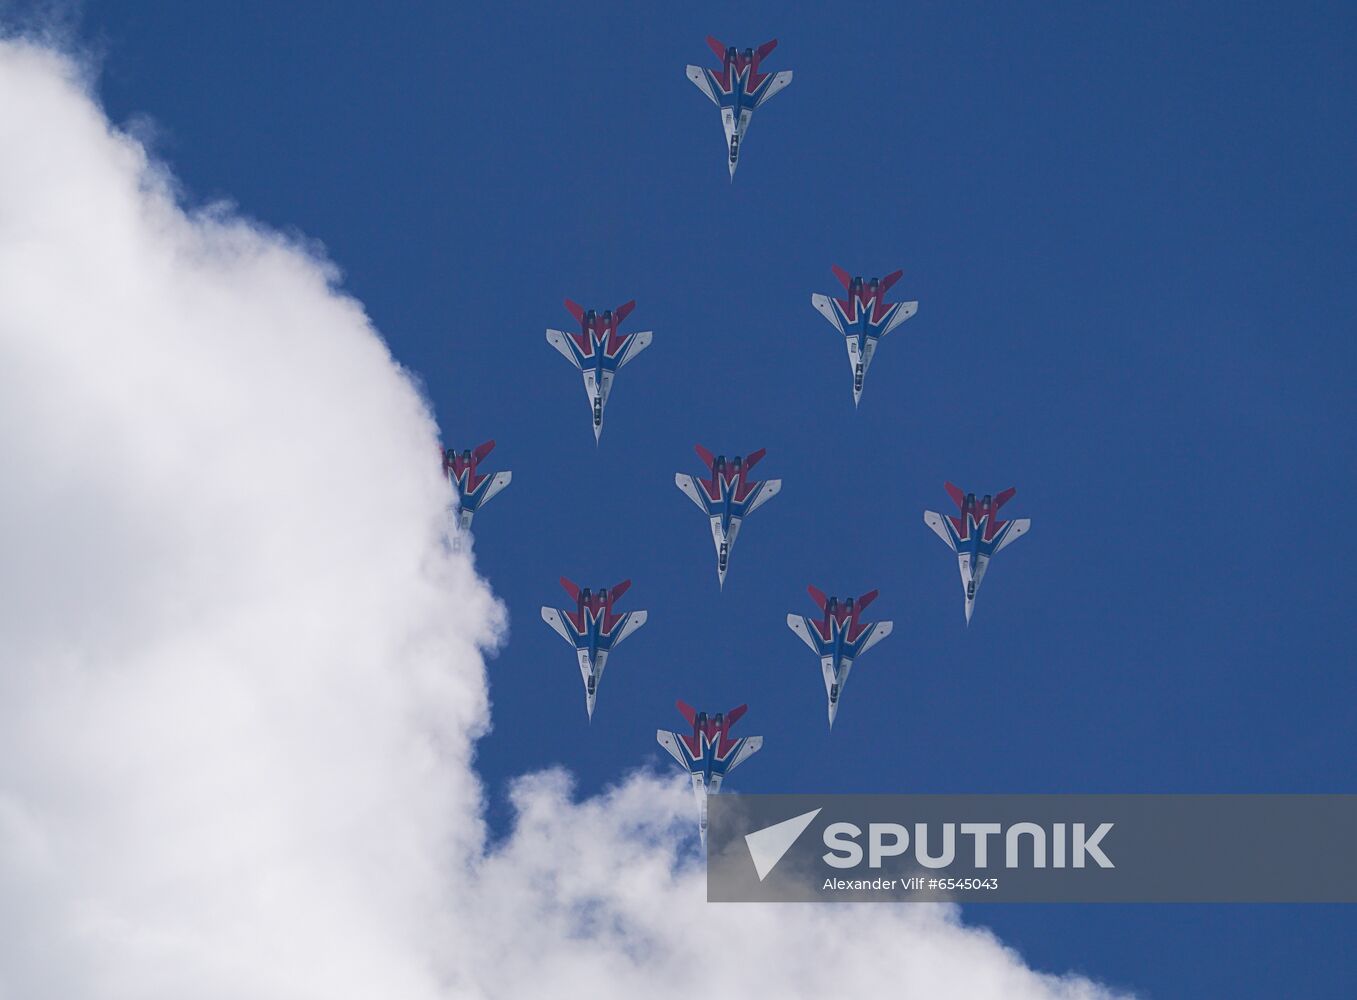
[(474, 489), (863, 318), (728, 497), (976, 535), (593, 628), (737, 88), (838, 639), (709, 754), (598, 350)]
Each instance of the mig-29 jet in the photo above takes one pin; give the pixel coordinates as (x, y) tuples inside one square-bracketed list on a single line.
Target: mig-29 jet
[(709, 753), (598, 350), (976, 535), (594, 629), (737, 88), (863, 318), (474, 489), (838, 639), (727, 498)]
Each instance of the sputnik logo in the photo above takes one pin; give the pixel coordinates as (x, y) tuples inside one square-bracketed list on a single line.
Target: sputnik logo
[(767, 846)]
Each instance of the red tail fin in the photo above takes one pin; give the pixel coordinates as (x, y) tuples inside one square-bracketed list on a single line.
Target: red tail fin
[(623, 311), (619, 590), (753, 457), (735, 714), (706, 456), (867, 598), (570, 589), (483, 450), (765, 48), (716, 47), (955, 492), (818, 596), (844, 277), (889, 280), (576, 310), (687, 711), (1005, 496)]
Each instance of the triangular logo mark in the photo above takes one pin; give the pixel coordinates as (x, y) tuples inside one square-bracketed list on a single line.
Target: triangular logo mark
[(767, 846)]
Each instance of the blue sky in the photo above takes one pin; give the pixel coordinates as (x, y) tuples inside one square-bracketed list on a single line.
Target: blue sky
[(1130, 234)]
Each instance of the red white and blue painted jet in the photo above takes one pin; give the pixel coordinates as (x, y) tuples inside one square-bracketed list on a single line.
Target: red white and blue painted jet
[(737, 88), (709, 753), (727, 498), (598, 351), (838, 638), (976, 535), (863, 318), (594, 629), (474, 489)]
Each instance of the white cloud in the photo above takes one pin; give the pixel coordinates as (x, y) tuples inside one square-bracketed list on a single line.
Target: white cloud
[(242, 676)]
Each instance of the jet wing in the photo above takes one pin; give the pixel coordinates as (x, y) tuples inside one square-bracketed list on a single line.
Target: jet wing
[(802, 627), (778, 84), (903, 311), (556, 620), (561, 342), (670, 741), (750, 746), (699, 77), (825, 307), (632, 620), (877, 632), (934, 521), (1016, 531), (686, 484), (497, 483), (768, 489), (638, 343)]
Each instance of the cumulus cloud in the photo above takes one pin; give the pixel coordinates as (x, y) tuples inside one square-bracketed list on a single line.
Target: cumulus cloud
[(242, 674)]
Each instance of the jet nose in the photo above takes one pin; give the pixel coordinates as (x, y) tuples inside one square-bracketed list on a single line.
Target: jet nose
[(833, 711), (970, 608), (721, 577)]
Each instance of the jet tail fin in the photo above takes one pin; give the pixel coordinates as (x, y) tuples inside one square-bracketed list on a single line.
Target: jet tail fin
[(619, 590), (889, 280), (687, 711), (483, 450), (707, 457), (867, 598), (753, 457), (818, 596), (623, 311), (955, 492), (735, 714), (570, 588), (765, 48), (1005, 496), (717, 47), (576, 310), (844, 277)]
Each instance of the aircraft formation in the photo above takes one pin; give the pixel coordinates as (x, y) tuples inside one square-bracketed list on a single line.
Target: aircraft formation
[(728, 494)]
